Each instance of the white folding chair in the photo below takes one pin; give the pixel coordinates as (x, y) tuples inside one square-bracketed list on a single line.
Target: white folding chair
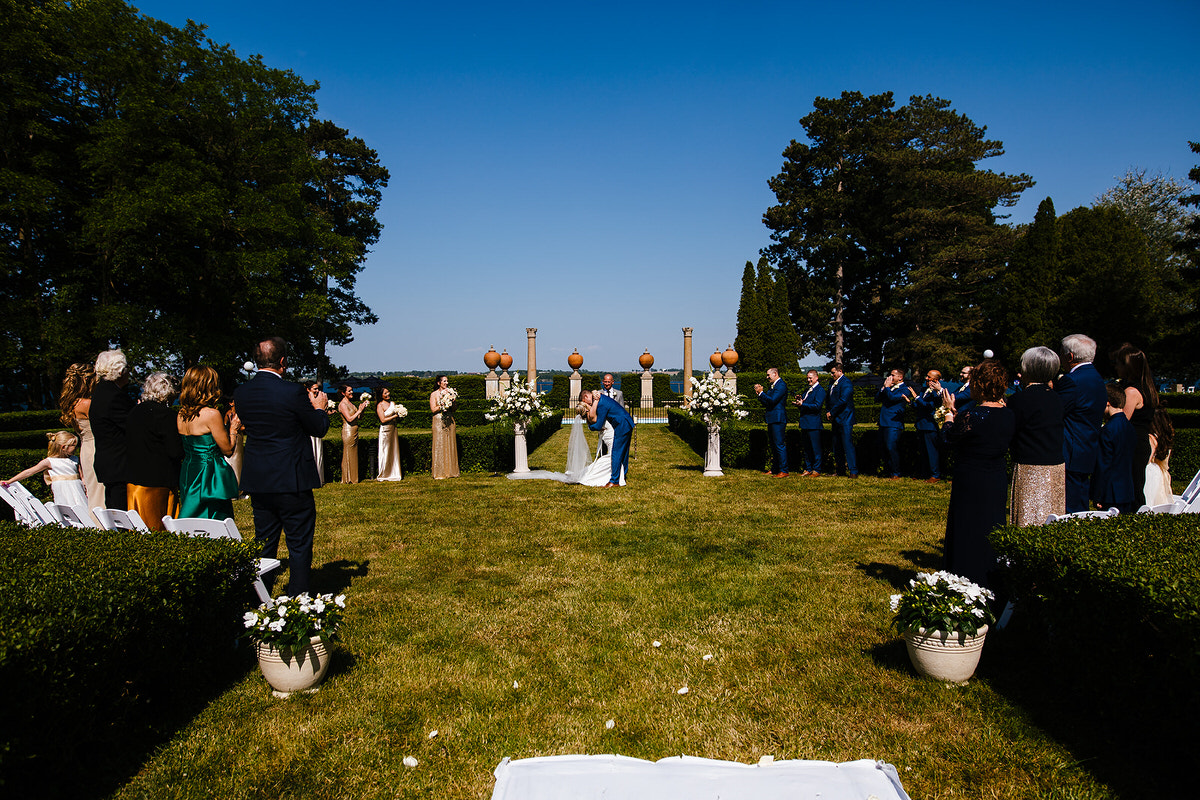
[(21, 511), (1190, 499), (37, 509), (219, 529), (72, 516), (112, 519), (1112, 512)]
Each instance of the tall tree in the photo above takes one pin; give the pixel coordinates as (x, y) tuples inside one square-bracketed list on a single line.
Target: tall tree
[(751, 324), (886, 229), (1021, 307), (781, 344)]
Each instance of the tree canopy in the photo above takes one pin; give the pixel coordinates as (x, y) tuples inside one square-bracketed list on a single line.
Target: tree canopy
[(765, 335), (159, 193)]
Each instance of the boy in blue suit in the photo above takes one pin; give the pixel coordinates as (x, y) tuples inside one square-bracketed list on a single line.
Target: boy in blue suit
[(1112, 483), (841, 414), (893, 397), (775, 401), (811, 403)]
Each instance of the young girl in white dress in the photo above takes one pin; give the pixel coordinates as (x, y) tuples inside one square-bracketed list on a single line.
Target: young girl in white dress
[(61, 468)]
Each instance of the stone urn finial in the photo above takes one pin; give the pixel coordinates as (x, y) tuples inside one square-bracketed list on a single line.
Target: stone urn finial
[(505, 361), (729, 357), (716, 359), (575, 361), (491, 358), (646, 360)]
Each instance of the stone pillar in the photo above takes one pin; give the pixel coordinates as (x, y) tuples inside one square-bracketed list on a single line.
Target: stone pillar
[(575, 361), (687, 365), (531, 370), (505, 379), (491, 383), (647, 361)]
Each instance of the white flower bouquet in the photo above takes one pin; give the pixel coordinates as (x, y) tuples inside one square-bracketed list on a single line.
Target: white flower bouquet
[(395, 409), (712, 401), (941, 601), (290, 622), (447, 399), (520, 404), (364, 396)]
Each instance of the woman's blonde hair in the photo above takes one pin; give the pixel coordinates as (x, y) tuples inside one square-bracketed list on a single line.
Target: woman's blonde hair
[(59, 440), (77, 384), (201, 389)]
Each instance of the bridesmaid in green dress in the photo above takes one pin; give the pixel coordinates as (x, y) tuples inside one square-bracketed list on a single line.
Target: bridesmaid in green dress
[(207, 484)]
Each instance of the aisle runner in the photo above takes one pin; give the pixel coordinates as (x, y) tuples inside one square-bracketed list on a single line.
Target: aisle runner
[(688, 778)]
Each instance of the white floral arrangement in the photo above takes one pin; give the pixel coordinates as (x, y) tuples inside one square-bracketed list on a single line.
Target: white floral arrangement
[(330, 405), (364, 396), (942, 601), (520, 404), (395, 408), (939, 415), (290, 622), (447, 398), (713, 401)]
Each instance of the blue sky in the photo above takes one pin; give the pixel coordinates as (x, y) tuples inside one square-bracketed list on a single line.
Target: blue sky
[(599, 170)]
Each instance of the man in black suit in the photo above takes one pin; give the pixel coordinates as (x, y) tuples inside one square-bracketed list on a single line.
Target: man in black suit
[(1081, 389), (110, 409), (279, 471)]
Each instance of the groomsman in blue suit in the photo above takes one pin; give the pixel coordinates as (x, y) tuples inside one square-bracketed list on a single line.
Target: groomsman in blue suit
[(811, 404), (841, 413), (602, 409), (894, 397), (1084, 397), (774, 400), (925, 408), (279, 471), (962, 396)]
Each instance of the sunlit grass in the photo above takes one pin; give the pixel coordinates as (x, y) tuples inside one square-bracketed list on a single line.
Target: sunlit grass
[(517, 617)]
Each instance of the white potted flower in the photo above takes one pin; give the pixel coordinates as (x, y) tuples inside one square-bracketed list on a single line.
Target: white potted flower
[(292, 636), (713, 402), (520, 405), (943, 619)]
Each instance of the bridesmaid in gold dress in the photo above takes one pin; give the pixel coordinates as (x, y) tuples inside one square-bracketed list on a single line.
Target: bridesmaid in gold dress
[(75, 401), (445, 443), (350, 417)]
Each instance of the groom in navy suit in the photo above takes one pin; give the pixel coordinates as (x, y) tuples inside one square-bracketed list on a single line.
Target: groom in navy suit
[(1084, 397), (775, 401), (279, 471), (600, 409)]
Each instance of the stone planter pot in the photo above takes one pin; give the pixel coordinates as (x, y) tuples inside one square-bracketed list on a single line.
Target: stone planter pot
[(941, 656), (294, 671)]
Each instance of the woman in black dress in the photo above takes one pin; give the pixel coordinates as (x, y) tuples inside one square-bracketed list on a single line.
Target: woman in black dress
[(980, 437), (1039, 486), (1141, 400)]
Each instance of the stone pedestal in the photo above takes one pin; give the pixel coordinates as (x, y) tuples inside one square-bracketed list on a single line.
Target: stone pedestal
[(521, 454), (491, 384), (576, 388), (647, 390), (504, 382), (731, 381), (712, 456)]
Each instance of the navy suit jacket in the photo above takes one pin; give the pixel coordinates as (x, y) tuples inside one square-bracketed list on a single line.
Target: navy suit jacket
[(1112, 482), (925, 407), (811, 406), (841, 401), (609, 410), (775, 401), (891, 412), (279, 419), (110, 409), (1083, 401)]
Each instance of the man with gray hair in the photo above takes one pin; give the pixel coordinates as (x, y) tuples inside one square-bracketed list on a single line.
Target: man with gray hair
[(110, 409), (1083, 396)]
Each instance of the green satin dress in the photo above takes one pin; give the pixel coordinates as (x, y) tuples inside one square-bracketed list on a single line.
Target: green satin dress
[(207, 484)]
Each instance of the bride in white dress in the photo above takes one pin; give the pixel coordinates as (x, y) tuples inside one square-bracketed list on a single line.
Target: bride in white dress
[(579, 470)]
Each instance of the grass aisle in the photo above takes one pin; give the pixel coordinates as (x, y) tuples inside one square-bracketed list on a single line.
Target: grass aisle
[(516, 618)]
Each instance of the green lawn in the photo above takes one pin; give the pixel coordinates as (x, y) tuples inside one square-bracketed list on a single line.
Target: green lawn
[(517, 618)]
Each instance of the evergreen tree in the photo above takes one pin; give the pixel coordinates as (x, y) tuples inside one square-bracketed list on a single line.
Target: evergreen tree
[(781, 344), (751, 324), (1025, 295)]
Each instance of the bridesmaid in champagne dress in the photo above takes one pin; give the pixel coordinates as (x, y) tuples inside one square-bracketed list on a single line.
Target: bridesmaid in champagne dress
[(350, 418), (75, 401), (207, 484), (445, 442), (389, 445), (318, 444)]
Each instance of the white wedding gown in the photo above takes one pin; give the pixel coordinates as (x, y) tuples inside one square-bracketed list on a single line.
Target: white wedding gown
[(579, 470)]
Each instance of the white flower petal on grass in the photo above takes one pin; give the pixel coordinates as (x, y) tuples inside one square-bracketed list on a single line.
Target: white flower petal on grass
[(609, 724), (516, 685), (657, 643), (682, 690), (433, 733), (409, 761), (708, 657)]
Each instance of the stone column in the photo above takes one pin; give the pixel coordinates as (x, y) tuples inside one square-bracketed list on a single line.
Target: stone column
[(687, 365), (531, 370)]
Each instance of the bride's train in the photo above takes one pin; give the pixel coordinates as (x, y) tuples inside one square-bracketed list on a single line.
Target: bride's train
[(579, 470)]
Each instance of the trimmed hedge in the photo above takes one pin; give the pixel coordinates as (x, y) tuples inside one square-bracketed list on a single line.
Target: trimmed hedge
[(104, 637), (30, 420)]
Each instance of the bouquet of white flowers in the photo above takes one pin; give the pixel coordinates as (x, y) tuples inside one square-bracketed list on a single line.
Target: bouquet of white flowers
[(395, 409), (520, 404), (290, 622), (941, 601), (364, 396), (713, 402), (447, 399)]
